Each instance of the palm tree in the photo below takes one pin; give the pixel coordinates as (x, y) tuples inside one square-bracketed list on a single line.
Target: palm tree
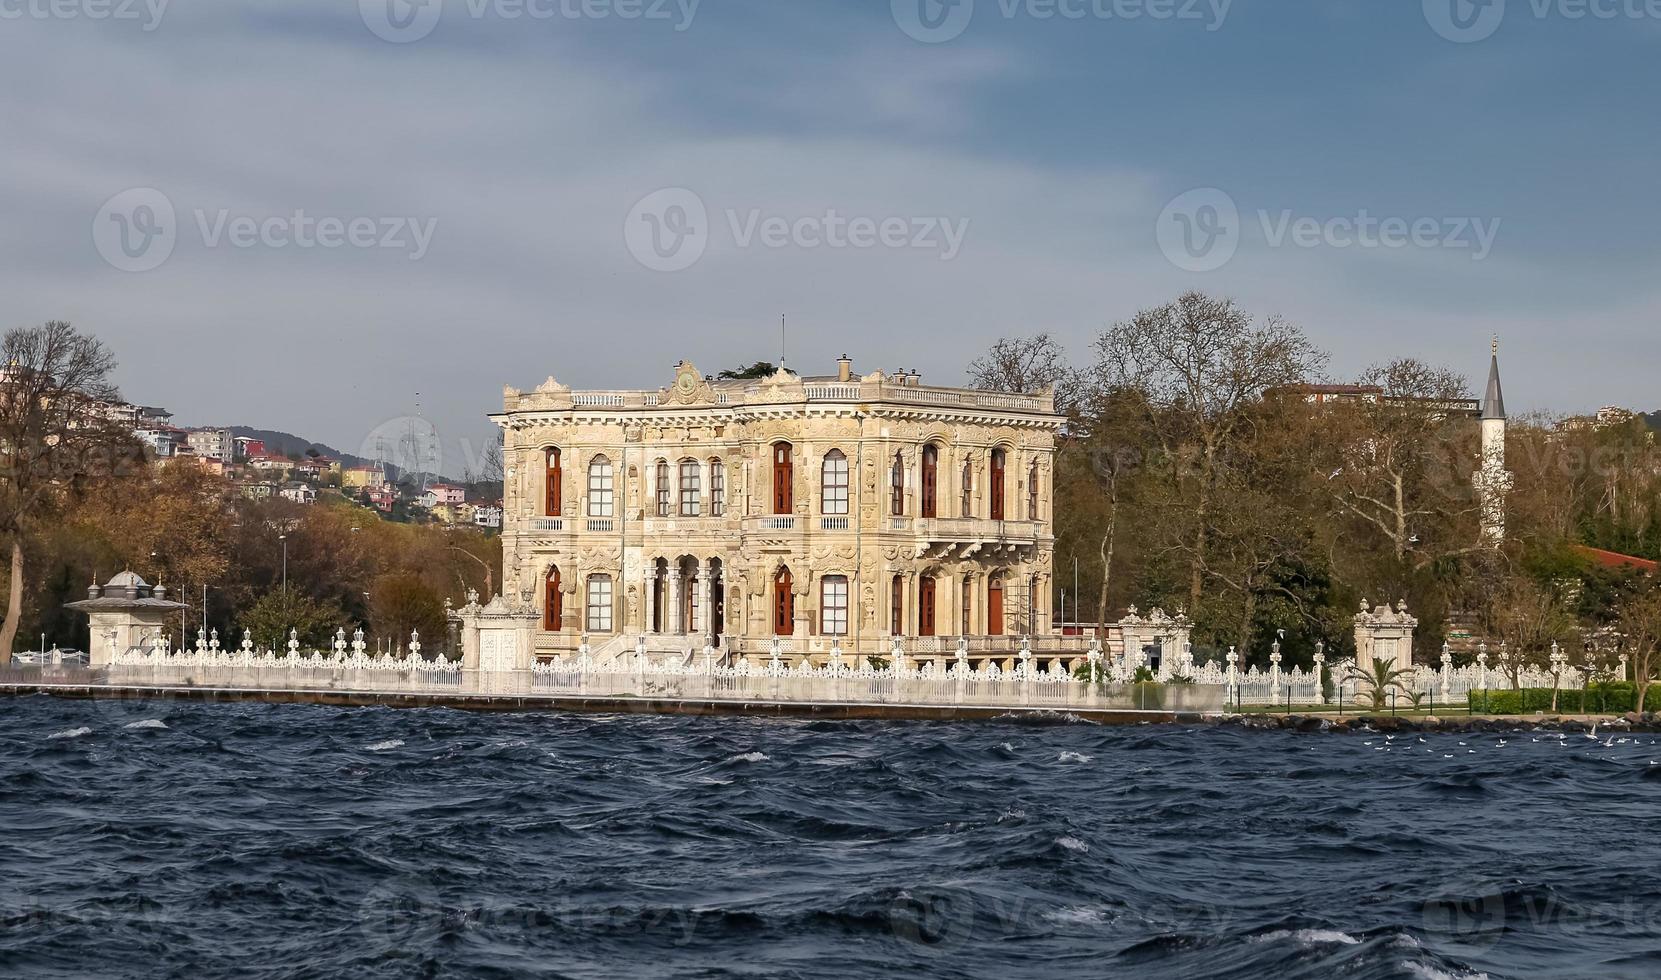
[(1379, 680)]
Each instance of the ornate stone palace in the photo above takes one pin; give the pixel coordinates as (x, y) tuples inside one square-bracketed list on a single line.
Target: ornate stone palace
[(838, 510)]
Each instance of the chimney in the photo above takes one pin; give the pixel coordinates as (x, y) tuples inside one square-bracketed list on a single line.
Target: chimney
[(844, 368)]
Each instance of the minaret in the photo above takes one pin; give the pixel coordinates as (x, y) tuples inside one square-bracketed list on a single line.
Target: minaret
[(1491, 479)]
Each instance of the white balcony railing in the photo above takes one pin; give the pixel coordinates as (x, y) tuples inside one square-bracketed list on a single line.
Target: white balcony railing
[(834, 523), (547, 524), (602, 524)]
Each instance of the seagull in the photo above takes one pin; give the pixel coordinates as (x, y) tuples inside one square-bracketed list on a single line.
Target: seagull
[(1501, 744)]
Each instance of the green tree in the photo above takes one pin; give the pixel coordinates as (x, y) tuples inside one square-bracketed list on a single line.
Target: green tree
[(275, 614), (756, 371), (400, 603)]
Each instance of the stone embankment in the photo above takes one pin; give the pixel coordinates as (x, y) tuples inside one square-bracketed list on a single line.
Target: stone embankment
[(1649, 721)]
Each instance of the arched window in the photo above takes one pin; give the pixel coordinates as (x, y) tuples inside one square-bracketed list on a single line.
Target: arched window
[(997, 486), (966, 506), (925, 606), (833, 605), (552, 602), (599, 604), (995, 606), (691, 494), (1032, 491), (896, 483), (784, 480), (833, 479), (717, 488), (931, 467), (896, 604), (552, 478), (968, 596), (661, 479), (784, 604), (600, 487)]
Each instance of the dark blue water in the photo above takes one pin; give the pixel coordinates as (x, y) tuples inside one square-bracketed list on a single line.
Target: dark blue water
[(221, 840)]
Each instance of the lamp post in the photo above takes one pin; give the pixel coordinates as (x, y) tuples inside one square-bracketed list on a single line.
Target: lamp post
[(284, 539)]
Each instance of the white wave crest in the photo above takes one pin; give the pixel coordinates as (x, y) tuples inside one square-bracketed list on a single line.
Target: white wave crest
[(1309, 937), (1075, 757), (1432, 973), (71, 733), (1076, 915), (750, 757), (147, 723), (389, 744), (1073, 844)]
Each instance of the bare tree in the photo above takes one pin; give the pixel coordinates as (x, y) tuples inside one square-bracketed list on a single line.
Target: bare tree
[(1403, 462), (1026, 366), (1640, 626), (53, 433), (1197, 364), (1529, 619)]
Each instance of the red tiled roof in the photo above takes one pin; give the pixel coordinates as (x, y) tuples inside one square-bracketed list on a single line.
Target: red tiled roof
[(1614, 559)]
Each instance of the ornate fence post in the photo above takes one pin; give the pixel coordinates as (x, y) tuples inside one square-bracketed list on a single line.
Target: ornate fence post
[(1447, 673), (294, 643), (1320, 671), (1095, 659), (340, 644), (1026, 670), (415, 644), (962, 669), (773, 656), (896, 649), (1274, 668), (247, 642), (358, 646), (1232, 688)]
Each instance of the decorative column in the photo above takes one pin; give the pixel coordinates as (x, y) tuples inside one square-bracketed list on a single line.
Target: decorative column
[(706, 595), (648, 596), (674, 610)]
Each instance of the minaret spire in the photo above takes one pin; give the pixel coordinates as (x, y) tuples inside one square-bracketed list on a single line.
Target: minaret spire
[(1491, 479), (1493, 403)]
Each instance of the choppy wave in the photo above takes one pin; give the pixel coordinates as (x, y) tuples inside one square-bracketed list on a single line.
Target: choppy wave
[(282, 840)]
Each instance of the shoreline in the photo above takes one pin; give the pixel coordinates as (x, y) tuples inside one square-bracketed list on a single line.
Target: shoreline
[(1302, 722)]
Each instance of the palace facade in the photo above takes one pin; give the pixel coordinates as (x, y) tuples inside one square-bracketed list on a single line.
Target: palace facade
[(826, 511)]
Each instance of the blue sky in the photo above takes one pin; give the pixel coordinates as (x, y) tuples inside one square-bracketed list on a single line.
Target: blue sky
[(527, 145)]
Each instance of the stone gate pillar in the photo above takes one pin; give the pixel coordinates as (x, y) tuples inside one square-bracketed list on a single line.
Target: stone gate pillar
[(1384, 634), (496, 638)]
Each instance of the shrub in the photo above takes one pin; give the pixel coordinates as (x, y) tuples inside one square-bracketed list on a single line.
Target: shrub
[(1618, 698)]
